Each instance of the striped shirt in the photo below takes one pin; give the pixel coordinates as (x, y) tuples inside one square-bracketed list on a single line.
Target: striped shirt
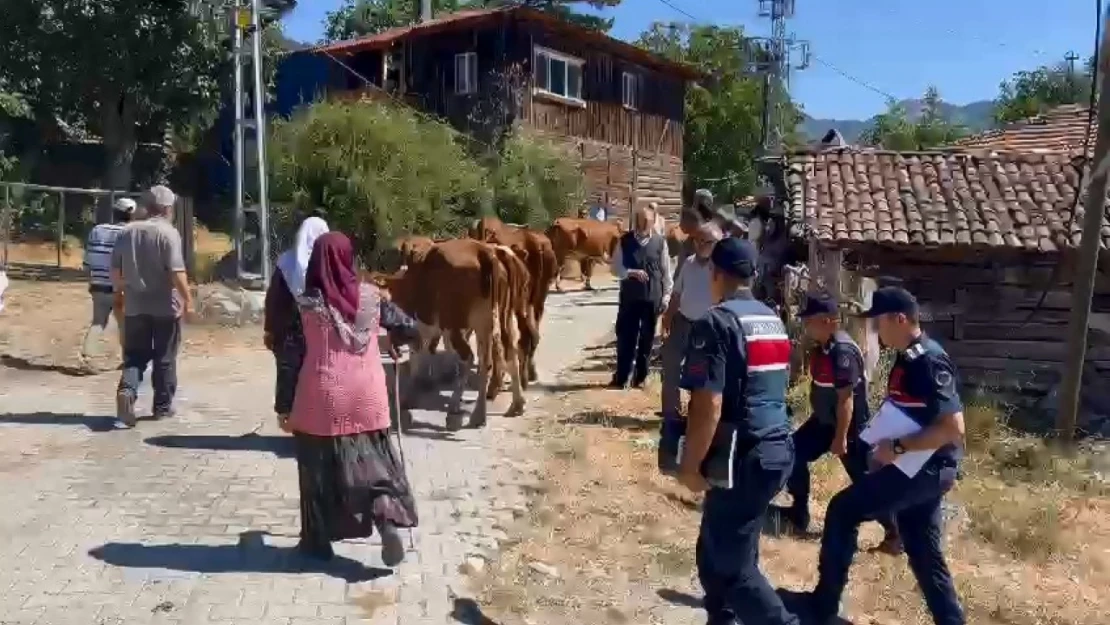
[(98, 253)]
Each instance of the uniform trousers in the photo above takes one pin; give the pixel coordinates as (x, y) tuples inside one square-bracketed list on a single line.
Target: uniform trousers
[(736, 591), (915, 504)]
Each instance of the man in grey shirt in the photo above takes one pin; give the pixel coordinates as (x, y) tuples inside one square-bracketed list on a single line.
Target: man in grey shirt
[(148, 267)]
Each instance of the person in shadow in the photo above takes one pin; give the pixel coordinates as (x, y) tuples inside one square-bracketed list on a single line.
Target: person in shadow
[(331, 394)]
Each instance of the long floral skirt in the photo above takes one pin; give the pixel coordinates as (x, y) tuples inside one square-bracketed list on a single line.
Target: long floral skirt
[(348, 485)]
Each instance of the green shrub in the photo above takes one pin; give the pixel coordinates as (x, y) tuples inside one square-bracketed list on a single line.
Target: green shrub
[(534, 183), (378, 170)]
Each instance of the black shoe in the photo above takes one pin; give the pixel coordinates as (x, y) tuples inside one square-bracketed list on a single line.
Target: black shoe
[(393, 549), (638, 383), (125, 408), (164, 413), (617, 385)]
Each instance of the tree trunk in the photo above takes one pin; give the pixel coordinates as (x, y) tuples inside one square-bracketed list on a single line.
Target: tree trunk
[(118, 126)]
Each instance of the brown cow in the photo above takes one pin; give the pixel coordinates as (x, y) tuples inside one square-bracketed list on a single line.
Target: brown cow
[(535, 249), (462, 286), (588, 239), (521, 286), (413, 248)]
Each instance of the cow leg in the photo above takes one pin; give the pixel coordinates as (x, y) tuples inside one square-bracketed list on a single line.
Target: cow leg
[(486, 336), (587, 265)]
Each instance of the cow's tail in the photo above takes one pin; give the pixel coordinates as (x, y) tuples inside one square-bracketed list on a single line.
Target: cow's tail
[(487, 264)]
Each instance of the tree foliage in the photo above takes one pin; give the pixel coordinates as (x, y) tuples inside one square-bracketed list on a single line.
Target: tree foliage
[(358, 18), (1031, 93), (533, 183), (895, 130), (723, 116)]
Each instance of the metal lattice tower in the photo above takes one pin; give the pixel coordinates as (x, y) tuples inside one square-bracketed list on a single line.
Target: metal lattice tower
[(246, 21), (774, 60)]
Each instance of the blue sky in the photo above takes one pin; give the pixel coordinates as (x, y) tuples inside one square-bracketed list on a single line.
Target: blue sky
[(899, 47)]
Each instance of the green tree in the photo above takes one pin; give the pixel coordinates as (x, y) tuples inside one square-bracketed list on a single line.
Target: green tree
[(533, 183), (119, 70), (1031, 93), (723, 115), (358, 18), (895, 130)]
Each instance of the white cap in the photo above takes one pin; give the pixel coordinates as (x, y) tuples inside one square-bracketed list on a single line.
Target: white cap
[(125, 205), (159, 195)]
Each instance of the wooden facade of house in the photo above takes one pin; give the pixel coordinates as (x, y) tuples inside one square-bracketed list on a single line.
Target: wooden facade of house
[(984, 241), (615, 107)]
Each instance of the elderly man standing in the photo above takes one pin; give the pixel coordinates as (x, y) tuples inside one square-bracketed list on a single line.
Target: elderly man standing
[(643, 266), (148, 267)]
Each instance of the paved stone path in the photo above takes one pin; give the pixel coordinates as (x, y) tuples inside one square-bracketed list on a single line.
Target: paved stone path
[(190, 521)]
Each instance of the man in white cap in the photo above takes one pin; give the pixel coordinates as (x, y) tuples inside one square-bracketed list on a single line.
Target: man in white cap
[(98, 262), (148, 267)]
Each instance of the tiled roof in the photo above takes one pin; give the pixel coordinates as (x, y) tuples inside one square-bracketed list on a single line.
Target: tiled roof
[(851, 196), (1062, 129)]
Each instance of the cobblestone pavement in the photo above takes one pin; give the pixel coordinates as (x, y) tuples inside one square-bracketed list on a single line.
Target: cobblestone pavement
[(190, 521)]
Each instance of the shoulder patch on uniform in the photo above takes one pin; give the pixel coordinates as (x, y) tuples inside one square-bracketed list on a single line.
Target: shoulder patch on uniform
[(943, 378), (845, 360)]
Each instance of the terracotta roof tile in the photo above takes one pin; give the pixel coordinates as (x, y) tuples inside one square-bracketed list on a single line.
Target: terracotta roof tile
[(1062, 129), (936, 199)]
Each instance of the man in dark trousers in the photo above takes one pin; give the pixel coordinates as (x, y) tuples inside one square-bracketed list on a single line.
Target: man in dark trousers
[(737, 443), (923, 385), (643, 266), (839, 411)]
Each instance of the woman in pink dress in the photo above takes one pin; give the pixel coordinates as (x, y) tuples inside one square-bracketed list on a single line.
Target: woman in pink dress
[(332, 395)]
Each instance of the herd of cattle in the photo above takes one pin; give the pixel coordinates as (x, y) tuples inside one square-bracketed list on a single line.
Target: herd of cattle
[(493, 284)]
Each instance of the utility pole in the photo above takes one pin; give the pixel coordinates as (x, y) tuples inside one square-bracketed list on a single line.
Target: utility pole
[(247, 21), (774, 62), (1086, 271)]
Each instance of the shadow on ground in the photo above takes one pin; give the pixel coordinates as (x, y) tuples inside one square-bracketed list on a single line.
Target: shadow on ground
[(468, 612), (280, 446), (94, 423), (250, 555), (794, 602), (23, 364), (607, 420)]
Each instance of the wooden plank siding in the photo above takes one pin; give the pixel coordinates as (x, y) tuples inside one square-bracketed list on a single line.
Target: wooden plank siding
[(1005, 325), (627, 156)]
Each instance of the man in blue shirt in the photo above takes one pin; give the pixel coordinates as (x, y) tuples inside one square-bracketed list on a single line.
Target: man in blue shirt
[(924, 385), (737, 443), (98, 262)]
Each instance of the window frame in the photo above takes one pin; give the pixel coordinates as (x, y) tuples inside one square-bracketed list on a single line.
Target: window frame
[(632, 83), (547, 55), (469, 77)]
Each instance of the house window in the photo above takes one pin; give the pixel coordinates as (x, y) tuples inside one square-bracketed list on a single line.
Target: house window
[(558, 74), (466, 73), (630, 90)]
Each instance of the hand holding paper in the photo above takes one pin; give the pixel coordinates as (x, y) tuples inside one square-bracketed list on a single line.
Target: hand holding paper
[(891, 423)]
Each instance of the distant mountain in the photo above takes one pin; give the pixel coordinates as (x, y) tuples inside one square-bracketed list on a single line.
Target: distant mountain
[(976, 116)]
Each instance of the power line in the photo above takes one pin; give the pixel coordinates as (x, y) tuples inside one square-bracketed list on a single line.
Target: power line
[(859, 81)]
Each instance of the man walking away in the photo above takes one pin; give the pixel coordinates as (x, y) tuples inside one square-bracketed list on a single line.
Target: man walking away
[(643, 266), (98, 262), (148, 267), (689, 302)]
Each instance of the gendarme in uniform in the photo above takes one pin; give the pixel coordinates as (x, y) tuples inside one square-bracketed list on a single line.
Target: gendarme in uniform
[(923, 384), (740, 351)]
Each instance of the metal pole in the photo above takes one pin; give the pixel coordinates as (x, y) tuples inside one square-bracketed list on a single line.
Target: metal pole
[(260, 140), (237, 105), (61, 224), (7, 215), (1086, 271)]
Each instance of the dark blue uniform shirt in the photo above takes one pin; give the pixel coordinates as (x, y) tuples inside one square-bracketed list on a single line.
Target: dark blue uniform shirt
[(740, 350), (834, 366), (925, 385)]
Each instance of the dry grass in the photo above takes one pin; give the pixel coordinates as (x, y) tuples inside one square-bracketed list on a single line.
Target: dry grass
[(43, 323), (1029, 541)]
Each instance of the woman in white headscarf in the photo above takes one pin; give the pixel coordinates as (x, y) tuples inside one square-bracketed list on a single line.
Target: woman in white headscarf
[(287, 283)]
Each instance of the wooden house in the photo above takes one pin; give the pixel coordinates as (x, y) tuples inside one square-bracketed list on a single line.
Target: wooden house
[(986, 241), (616, 107)]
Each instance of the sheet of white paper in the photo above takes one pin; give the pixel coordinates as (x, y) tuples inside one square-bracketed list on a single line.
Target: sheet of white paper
[(891, 422)]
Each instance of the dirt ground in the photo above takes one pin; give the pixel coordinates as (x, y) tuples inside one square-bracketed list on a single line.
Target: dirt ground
[(607, 540), (43, 323)]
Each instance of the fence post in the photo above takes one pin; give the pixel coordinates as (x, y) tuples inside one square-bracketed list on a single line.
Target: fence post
[(6, 217), (183, 215), (61, 224)]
